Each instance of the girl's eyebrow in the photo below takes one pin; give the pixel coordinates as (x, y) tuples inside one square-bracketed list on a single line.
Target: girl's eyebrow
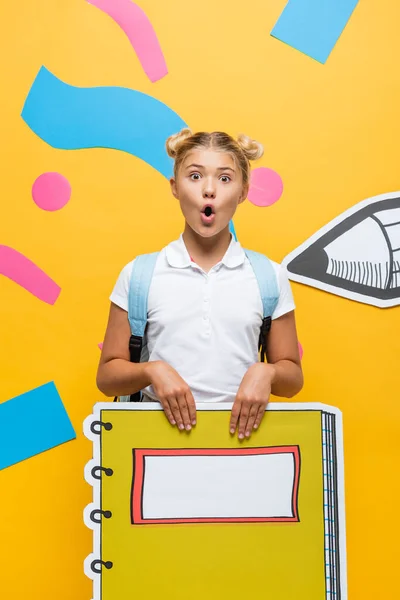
[(194, 165), (219, 168), (226, 168)]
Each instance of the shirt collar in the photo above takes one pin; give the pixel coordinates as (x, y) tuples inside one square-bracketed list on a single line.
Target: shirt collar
[(178, 256)]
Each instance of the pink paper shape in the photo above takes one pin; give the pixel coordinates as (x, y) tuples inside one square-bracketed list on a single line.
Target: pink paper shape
[(140, 32), (100, 345), (25, 273), (266, 187), (51, 191), (301, 351)]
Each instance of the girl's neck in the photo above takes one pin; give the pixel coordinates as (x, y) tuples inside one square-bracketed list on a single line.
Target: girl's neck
[(206, 252)]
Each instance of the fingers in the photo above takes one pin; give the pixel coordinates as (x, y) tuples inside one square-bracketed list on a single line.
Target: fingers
[(246, 416), (254, 409), (235, 413), (259, 417), (168, 412), (191, 404), (180, 410), (176, 411), (184, 412)]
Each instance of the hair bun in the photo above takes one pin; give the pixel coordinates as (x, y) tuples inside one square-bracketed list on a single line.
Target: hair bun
[(252, 149), (175, 141)]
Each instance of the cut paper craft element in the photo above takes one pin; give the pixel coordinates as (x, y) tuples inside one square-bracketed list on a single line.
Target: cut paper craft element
[(32, 423), (51, 191), (25, 273), (313, 26), (153, 488), (204, 486), (100, 345), (357, 255), (71, 118), (137, 27), (232, 230), (266, 187), (301, 351)]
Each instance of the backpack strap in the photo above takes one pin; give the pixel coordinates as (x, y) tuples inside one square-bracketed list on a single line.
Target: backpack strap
[(269, 291), (141, 276)]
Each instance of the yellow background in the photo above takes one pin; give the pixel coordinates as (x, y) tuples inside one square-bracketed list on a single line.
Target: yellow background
[(284, 561), (332, 133)]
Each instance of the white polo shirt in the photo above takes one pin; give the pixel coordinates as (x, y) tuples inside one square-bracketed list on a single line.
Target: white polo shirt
[(205, 325)]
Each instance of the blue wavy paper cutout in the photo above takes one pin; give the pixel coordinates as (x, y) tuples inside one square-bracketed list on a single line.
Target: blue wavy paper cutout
[(72, 118)]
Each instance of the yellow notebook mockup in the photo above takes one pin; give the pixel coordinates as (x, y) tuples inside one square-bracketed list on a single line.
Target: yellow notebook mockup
[(200, 515)]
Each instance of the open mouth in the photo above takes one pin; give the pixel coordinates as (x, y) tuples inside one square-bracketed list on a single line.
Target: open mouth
[(208, 210), (207, 214)]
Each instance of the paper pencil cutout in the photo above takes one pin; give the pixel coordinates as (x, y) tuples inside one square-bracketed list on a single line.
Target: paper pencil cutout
[(357, 255)]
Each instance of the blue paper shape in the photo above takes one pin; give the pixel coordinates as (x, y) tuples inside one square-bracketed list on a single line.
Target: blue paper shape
[(313, 26), (72, 118), (232, 230), (32, 423)]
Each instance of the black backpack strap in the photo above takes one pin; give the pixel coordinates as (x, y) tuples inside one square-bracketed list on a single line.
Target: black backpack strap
[(135, 350), (262, 342)]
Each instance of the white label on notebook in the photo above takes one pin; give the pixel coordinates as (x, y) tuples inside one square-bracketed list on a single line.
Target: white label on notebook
[(216, 485)]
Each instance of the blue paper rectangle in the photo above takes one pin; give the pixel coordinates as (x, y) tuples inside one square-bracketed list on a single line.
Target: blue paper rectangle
[(313, 26), (32, 423)]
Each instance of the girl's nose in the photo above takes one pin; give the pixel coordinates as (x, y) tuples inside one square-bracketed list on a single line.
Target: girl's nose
[(209, 190)]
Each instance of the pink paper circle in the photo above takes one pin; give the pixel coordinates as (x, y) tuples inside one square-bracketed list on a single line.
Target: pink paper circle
[(301, 351), (51, 191), (266, 187)]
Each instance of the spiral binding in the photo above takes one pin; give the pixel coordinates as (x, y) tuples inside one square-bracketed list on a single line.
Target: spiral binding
[(96, 515), (107, 471), (107, 514), (107, 564), (107, 426)]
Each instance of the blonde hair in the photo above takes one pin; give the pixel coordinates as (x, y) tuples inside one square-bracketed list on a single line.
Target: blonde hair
[(243, 150)]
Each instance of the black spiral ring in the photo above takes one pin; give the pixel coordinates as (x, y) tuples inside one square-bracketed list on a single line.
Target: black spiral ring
[(106, 470), (107, 426), (107, 514), (107, 564)]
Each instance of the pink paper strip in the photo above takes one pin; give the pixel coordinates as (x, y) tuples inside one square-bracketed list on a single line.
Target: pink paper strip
[(25, 273), (140, 32)]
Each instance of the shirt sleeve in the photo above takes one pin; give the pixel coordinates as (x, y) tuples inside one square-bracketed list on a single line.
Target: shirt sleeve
[(286, 301), (120, 293)]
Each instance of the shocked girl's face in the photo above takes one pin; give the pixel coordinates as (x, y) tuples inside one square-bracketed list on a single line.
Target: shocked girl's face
[(209, 187)]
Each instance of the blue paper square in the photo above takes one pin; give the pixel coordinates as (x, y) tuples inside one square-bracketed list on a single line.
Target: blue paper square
[(32, 423), (313, 26)]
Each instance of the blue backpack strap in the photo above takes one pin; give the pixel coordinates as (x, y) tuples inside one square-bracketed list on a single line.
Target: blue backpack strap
[(141, 276), (269, 291)]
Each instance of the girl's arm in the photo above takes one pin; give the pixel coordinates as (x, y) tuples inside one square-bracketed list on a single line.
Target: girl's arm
[(283, 357), (281, 376), (116, 375)]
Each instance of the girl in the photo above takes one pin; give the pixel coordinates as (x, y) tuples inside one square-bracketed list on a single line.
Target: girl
[(204, 305)]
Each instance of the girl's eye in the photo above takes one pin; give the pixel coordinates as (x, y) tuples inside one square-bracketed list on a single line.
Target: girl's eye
[(225, 178), (195, 176)]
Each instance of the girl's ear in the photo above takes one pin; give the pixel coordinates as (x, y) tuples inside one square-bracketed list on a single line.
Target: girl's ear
[(174, 189), (245, 191)]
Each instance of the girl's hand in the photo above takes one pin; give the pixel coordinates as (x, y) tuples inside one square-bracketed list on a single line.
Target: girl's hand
[(174, 394), (252, 399)]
